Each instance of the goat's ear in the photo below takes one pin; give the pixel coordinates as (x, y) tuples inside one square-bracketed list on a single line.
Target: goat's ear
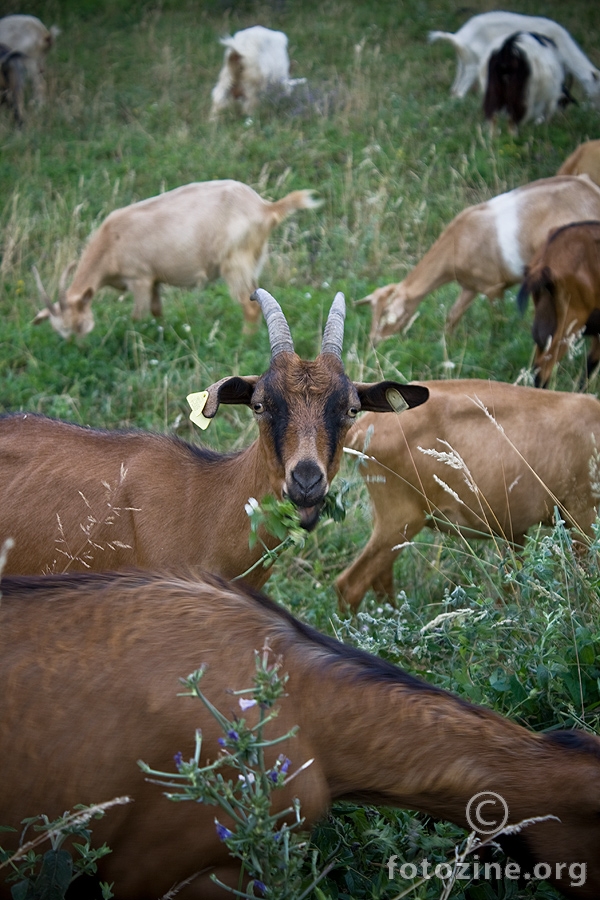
[(85, 299), (544, 323), (233, 390), (41, 316), (390, 396)]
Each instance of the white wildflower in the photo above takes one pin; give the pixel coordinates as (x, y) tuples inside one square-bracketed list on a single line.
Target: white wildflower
[(246, 704), (251, 506)]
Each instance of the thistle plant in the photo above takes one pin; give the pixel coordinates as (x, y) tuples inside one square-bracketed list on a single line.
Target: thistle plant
[(271, 846)]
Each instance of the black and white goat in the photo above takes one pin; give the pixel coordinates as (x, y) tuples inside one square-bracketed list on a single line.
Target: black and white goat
[(474, 42), (525, 78)]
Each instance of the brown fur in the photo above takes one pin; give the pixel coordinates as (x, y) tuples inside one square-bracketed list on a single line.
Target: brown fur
[(514, 465), (75, 498), (90, 668), (564, 281)]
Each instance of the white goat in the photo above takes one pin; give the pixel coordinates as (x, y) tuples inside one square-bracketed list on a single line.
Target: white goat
[(524, 77), (255, 59), (187, 236), (473, 43), (30, 36), (485, 248)]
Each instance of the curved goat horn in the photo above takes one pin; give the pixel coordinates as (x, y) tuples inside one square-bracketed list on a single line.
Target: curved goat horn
[(333, 335), (42, 290), (62, 284), (280, 336)]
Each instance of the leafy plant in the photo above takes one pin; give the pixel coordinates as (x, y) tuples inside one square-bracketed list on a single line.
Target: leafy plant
[(47, 876), (272, 852)]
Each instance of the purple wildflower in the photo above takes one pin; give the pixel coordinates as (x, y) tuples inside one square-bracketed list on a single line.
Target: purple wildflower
[(221, 742), (222, 832), (285, 764), (272, 775), (246, 704), (259, 886), (178, 759), (233, 735)]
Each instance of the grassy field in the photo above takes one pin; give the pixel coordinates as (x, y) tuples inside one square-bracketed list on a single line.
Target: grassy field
[(394, 158)]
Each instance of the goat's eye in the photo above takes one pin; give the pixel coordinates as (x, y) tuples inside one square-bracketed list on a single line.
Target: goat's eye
[(258, 407), (353, 412)]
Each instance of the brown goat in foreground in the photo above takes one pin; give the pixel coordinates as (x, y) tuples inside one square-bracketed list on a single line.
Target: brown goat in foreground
[(584, 160), (184, 237), (79, 498), (481, 457), (564, 280), (485, 248), (90, 668)]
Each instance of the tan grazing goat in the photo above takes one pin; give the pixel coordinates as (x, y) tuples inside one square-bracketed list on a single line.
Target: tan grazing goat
[(564, 280), (29, 36), (584, 160), (185, 237), (79, 498), (90, 668), (480, 457), (485, 249)]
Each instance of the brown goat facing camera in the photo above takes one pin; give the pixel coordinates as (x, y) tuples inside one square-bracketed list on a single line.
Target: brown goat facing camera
[(184, 237), (90, 668), (563, 279), (79, 498), (480, 459)]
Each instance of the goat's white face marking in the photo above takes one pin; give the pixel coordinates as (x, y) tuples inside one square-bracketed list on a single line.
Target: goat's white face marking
[(506, 217)]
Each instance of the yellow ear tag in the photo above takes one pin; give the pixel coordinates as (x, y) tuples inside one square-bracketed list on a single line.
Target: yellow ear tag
[(396, 400), (198, 402)]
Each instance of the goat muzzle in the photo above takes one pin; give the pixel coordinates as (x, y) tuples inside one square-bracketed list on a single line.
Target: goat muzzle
[(306, 488)]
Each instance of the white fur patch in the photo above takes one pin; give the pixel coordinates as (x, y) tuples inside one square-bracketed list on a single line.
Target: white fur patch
[(505, 210)]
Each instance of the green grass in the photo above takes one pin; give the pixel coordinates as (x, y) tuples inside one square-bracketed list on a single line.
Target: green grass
[(394, 158)]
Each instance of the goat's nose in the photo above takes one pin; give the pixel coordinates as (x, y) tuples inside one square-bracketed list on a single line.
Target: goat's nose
[(307, 478)]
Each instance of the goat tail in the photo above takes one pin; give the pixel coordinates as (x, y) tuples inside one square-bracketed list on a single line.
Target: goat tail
[(441, 36), (280, 209)]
